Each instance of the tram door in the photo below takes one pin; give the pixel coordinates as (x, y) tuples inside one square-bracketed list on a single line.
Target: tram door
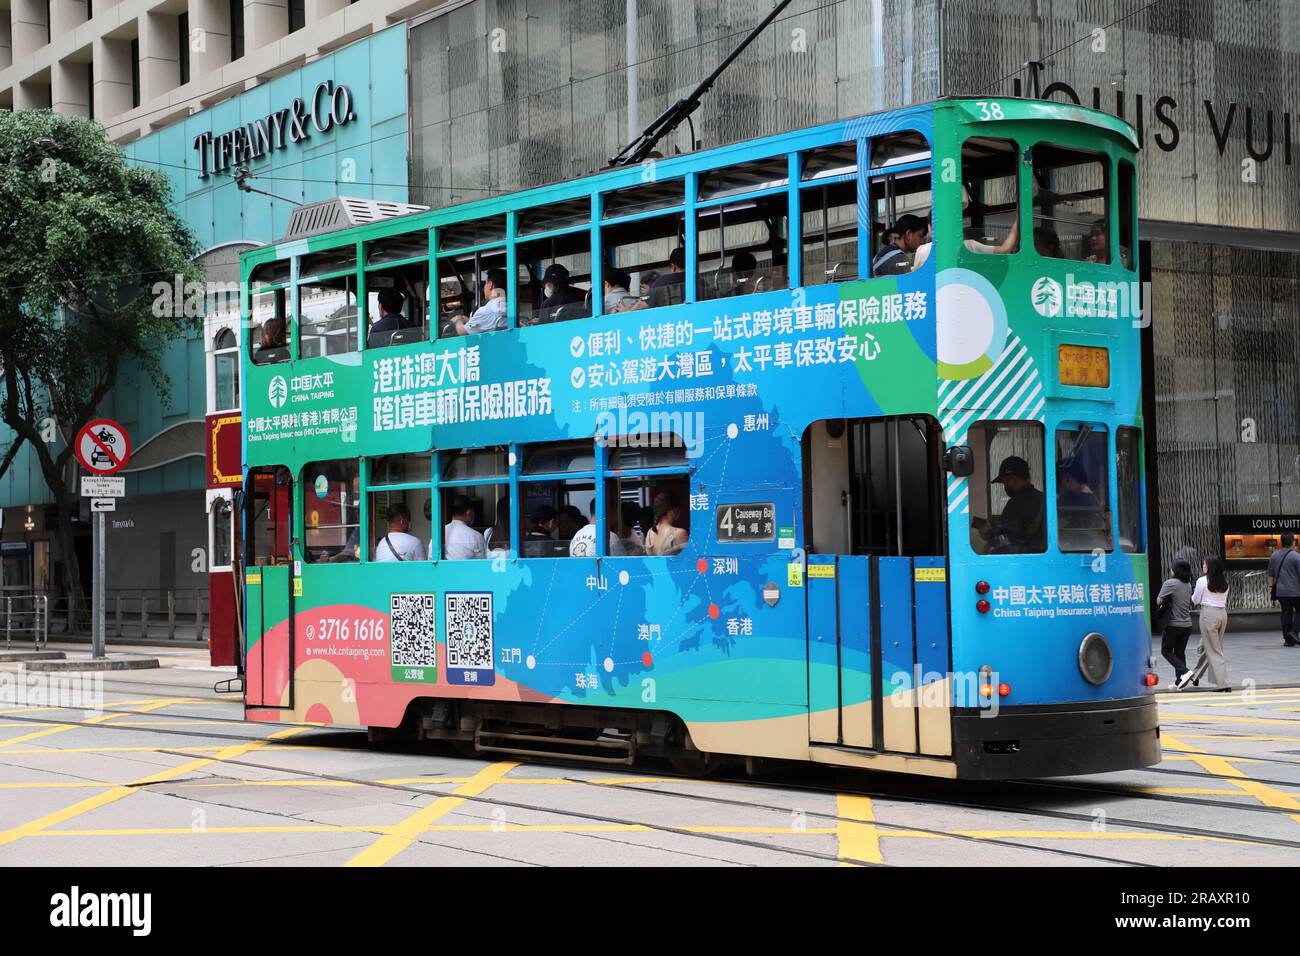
[(268, 601), (878, 646)]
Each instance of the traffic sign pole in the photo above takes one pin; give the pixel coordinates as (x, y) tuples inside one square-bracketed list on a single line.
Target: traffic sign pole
[(97, 591), (102, 447)]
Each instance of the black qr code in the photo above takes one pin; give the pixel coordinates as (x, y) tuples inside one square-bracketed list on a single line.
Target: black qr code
[(414, 630), (469, 629)]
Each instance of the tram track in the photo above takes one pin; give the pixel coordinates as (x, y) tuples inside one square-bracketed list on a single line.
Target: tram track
[(897, 795)]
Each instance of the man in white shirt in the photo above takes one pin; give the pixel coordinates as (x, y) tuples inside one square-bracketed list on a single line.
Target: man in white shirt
[(583, 544), (460, 541), (491, 315), (398, 544)]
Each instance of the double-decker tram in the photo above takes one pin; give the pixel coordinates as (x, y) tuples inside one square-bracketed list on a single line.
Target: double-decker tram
[(824, 446)]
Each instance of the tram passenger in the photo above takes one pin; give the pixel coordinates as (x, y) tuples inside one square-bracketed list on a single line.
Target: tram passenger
[(398, 544), (557, 291), (497, 538), (539, 541), (1021, 528), (1047, 243), (583, 544), (616, 283), (569, 523), (1100, 246), (896, 258), (491, 315), (665, 537), (460, 540), (669, 289), (633, 536), (273, 333), (391, 319), (743, 267)]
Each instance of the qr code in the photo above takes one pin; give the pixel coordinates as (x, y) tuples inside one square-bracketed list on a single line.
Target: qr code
[(414, 630), (469, 629)]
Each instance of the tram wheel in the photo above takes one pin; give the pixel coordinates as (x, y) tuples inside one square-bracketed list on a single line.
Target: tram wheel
[(694, 763)]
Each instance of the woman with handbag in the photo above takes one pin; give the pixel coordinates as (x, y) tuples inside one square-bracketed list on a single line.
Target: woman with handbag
[(1174, 614)]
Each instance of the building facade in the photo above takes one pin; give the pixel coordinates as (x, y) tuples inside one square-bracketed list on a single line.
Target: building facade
[(344, 130), (505, 94)]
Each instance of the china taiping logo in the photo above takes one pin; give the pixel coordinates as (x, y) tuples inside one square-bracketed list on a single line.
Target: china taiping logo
[(1048, 297), (278, 391)]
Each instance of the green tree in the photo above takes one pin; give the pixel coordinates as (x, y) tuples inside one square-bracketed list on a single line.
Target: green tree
[(84, 238)]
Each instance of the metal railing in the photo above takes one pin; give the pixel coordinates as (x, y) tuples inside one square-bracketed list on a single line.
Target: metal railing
[(26, 615), (138, 613)]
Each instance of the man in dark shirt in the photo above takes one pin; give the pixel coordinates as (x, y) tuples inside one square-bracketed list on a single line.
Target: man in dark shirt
[(390, 319), (1021, 527), (1284, 576), (670, 289)]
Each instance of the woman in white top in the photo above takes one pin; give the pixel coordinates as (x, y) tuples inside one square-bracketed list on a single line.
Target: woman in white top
[(665, 537), (1211, 596)]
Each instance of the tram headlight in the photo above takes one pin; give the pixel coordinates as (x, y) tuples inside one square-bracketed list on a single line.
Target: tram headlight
[(1095, 659)]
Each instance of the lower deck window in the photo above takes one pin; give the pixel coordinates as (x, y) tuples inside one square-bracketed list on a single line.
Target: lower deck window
[(1082, 490), (332, 512), (1008, 510)]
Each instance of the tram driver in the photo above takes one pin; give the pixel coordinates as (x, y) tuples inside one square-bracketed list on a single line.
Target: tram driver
[(1021, 528)]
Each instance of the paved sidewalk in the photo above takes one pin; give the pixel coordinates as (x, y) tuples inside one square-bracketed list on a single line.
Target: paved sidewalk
[(1253, 655)]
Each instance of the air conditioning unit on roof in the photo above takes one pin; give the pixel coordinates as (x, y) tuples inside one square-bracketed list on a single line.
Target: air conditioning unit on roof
[(342, 212)]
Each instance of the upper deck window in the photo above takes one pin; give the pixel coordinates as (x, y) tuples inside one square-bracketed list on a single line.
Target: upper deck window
[(490, 462), (559, 457), (270, 273), (342, 259), (472, 292), (477, 232), (554, 278), (397, 305), (1127, 211), (558, 215), (990, 197), (648, 258), (397, 248), (327, 316), (743, 247), (745, 178), (644, 198), (900, 203), (1070, 204), (268, 338), (830, 162)]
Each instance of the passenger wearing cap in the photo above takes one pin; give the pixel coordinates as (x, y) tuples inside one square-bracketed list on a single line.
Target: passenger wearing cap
[(1021, 527), (896, 258), (557, 291)]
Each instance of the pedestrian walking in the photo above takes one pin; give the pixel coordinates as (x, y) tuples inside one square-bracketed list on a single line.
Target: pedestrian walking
[(1284, 587), (1174, 605), (1211, 596)]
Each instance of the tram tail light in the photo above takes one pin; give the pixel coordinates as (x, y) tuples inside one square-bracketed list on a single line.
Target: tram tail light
[(1152, 680), (982, 606), (1004, 690), (986, 690), (981, 587)]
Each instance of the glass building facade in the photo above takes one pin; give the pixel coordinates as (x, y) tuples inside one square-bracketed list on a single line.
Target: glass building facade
[(507, 94)]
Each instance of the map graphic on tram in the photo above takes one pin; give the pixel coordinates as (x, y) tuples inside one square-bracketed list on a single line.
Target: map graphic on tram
[(824, 446)]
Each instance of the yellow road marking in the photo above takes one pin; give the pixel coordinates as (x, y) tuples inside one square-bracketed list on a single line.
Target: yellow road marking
[(1223, 718), (858, 841), (44, 732), (1220, 767), (398, 837), (117, 793)]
